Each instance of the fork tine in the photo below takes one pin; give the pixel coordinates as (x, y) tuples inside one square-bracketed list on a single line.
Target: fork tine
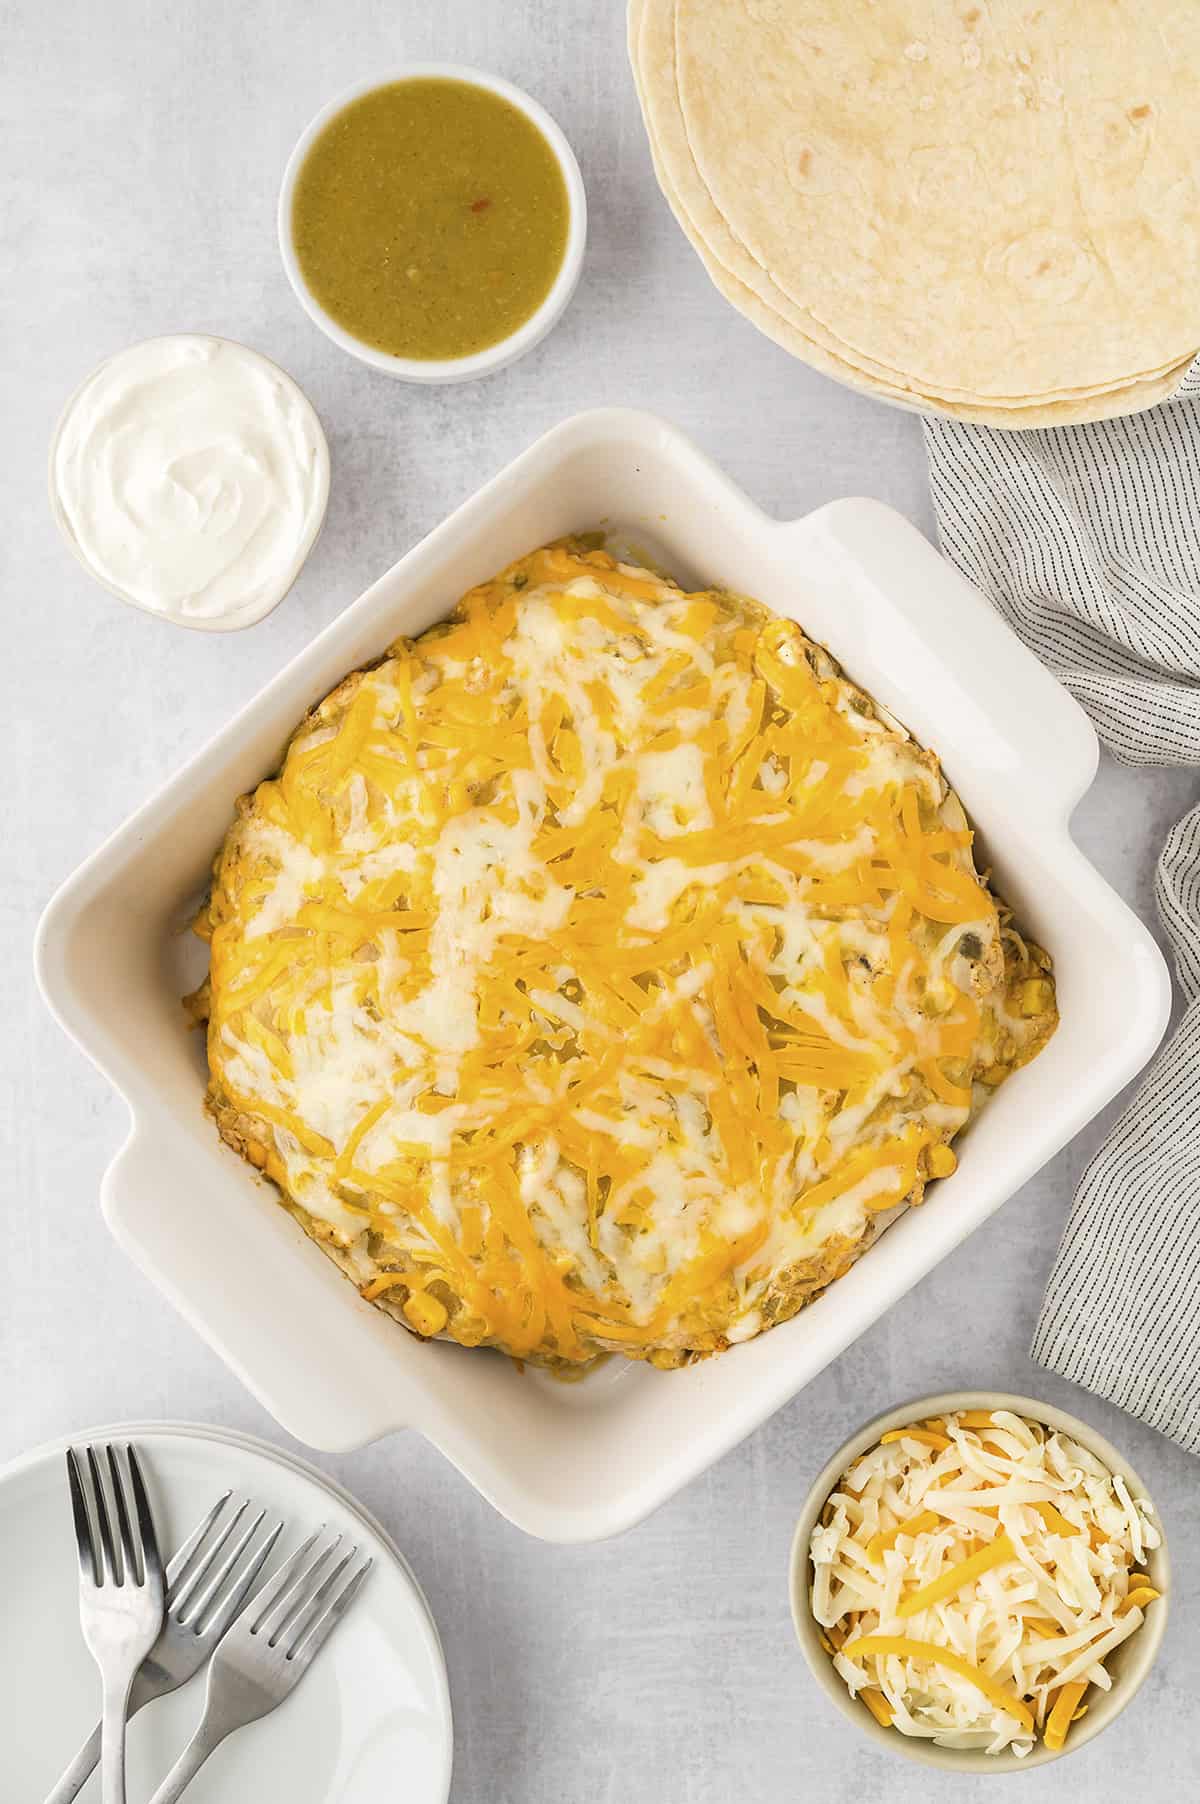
[(129, 1561), (239, 1591), (316, 1634), (208, 1581), (89, 1567), (149, 1558), (273, 1589), (184, 1593), (314, 1604), (112, 1572), (181, 1559), (299, 1595), (182, 1596), (198, 1601), (296, 1585)]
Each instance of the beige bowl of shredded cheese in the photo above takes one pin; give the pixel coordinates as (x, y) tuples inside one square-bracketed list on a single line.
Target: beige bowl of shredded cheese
[(979, 1581)]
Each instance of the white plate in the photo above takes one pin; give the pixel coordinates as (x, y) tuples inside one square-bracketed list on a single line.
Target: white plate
[(573, 1462), (373, 1706)]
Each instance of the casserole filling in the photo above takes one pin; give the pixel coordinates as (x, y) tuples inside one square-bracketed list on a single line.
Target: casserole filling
[(602, 968)]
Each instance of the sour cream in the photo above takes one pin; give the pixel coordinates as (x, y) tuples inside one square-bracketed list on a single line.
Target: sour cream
[(190, 477)]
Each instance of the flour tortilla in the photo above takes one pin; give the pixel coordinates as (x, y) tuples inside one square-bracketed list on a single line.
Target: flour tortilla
[(750, 288), (749, 303), (987, 200), (761, 314)]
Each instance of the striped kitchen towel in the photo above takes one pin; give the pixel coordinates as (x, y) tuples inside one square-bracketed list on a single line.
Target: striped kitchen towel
[(1087, 540)]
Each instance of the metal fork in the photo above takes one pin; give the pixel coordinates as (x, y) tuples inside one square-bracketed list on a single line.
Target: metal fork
[(120, 1592), (268, 1650), (208, 1581)]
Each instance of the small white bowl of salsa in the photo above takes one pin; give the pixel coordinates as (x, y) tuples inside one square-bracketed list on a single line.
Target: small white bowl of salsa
[(433, 222)]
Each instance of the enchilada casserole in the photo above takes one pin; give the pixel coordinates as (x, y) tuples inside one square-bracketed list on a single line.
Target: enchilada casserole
[(603, 968)]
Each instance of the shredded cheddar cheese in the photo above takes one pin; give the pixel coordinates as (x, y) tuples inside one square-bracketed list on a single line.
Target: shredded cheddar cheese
[(971, 1578), (602, 969), (934, 1654)]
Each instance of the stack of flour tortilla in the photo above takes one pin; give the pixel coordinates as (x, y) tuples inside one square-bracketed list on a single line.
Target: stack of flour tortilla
[(981, 208)]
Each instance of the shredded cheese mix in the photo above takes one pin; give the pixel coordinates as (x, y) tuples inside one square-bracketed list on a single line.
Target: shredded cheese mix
[(602, 968), (972, 1576)]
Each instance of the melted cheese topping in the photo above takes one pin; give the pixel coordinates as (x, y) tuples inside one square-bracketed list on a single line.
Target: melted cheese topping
[(601, 967), (973, 1574)]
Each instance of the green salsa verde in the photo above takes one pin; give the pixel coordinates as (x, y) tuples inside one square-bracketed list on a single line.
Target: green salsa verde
[(430, 218)]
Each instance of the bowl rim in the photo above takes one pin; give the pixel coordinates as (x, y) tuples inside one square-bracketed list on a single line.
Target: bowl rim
[(242, 617), (1104, 1708), (545, 316)]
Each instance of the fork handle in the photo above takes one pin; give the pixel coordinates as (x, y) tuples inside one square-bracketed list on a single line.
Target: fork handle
[(79, 1771), (87, 1759), (198, 1749), (112, 1743)]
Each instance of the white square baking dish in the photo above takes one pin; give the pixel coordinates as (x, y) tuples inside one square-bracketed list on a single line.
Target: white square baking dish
[(576, 1462)]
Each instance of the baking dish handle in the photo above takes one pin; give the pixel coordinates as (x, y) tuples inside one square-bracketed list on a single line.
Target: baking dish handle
[(931, 647), (210, 1265)]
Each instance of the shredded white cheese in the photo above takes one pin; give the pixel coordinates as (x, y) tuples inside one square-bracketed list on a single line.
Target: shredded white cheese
[(1009, 1551)]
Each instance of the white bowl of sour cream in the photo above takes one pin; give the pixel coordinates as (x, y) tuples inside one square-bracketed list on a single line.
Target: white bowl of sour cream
[(190, 476)]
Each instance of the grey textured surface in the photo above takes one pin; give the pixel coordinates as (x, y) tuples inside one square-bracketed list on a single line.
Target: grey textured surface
[(143, 150)]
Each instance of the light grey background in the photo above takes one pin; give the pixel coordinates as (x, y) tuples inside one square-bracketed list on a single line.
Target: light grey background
[(143, 145)]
